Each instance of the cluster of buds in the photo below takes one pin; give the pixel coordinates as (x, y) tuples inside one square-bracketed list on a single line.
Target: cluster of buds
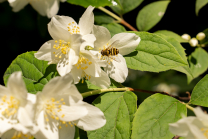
[(194, 41)]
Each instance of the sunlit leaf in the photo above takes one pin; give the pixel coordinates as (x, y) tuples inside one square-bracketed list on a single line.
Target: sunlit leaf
[(154, 54), (153, 116), (199, 5), (199, 95), (171, 34), (151, 14), (36, 73), (125, 6), (198, 62), (96, 3), (119, 109)]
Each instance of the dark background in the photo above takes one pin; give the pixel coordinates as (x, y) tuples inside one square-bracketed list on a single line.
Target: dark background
[(27, 31)]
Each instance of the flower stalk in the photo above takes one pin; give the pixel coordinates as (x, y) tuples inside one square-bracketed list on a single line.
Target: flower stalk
[(100, 91), (119, 20)]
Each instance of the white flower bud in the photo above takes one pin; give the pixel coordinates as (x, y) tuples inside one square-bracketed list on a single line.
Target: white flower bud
[(193, 42), (186, 37), (200, 36)]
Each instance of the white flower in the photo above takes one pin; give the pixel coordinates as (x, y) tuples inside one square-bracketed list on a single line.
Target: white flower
[(89, 67), (68, 38), (200, 36), (124, 42), (193, 42), (59, 107), (186, 37), (192, 127), (43, 7), (15, 110), (171, 89)]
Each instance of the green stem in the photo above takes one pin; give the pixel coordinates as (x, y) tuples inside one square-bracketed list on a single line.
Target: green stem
[(110, 13), (90, 93), (188, 106)]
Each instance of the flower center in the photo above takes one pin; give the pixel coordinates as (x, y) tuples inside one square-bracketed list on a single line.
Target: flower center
[(73, 28), (9, 106), (82, 63), (205, 132), (61, 48), (53, 106), (20, 135)]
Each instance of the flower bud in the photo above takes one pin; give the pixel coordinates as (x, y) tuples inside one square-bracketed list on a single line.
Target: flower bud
[(193, 42), (200, 36), (186, 37)]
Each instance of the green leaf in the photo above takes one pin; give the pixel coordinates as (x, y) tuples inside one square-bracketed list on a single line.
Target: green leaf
[(181, 51), (171, 34), (114, 28), (151, 14), (102, 18), (153, 116), (36, 73), (119, 109), (199, 95), (199, 5), (198, 62), (154, 54), (96, 3), (125, 6)]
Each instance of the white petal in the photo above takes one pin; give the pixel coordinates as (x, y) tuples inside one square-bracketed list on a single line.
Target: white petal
[(26, 117), (102, 63), (53, 9), (103, 81), (86, 22), (180, 127), (57, 85), (66, 132), (64, 66), (76, 41), (16, 87), (119, 70), (57, 32), (127, 42), (72, 113), (62, 0), (76, 73), (93, 120), (5, 126), (18, 5), (45, 51), (94, 68), (201, 115), (73, 92), (49, 131), (3, 91), (49, 7), (89, 41), (102, 36), (10, 134), (31, 98), (63, 21)]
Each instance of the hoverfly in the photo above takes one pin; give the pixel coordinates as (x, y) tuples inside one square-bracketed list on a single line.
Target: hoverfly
[(111, 51)]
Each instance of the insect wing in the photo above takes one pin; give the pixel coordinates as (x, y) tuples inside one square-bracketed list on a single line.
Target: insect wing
[(115, 58), (113, 44)]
